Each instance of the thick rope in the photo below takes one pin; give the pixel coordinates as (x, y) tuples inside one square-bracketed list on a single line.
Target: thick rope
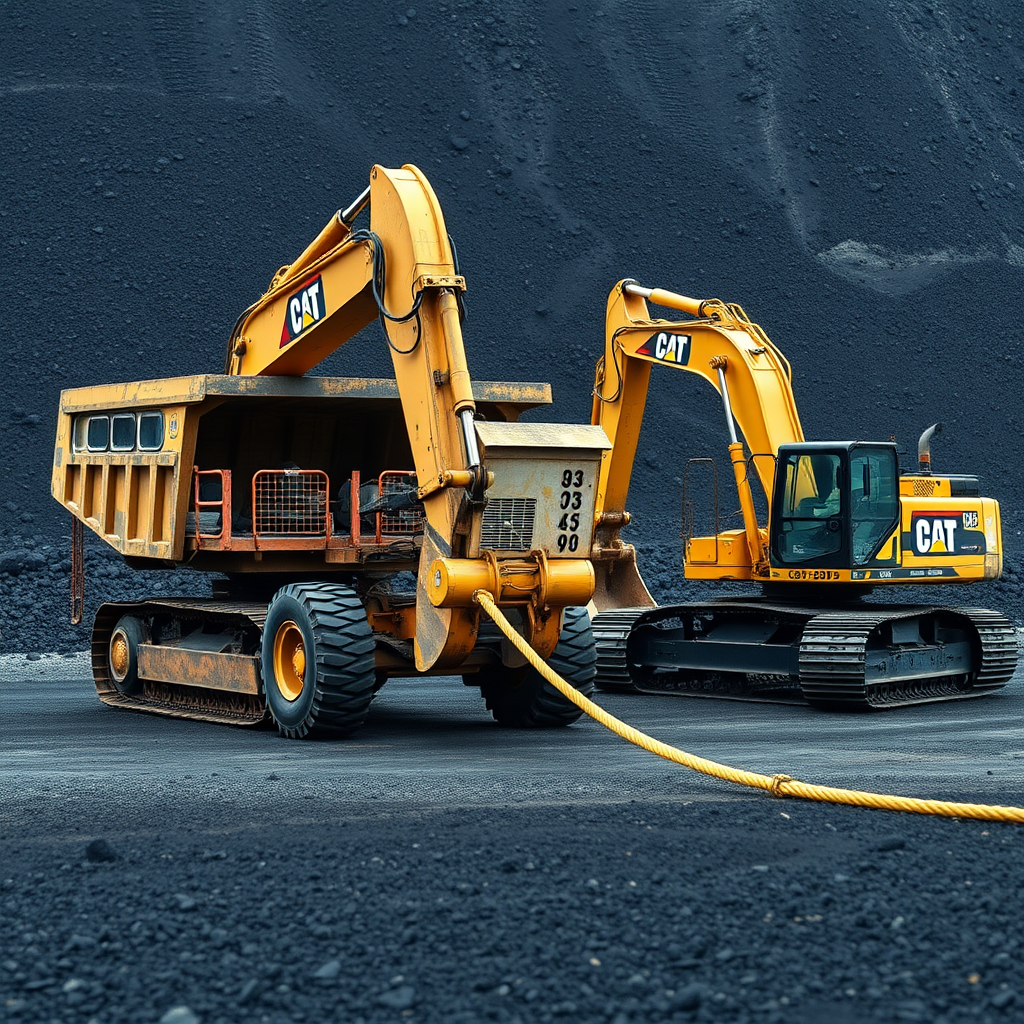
[(776, 785)]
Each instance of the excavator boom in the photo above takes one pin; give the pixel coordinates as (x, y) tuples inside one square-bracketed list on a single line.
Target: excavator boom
[(719, 343)]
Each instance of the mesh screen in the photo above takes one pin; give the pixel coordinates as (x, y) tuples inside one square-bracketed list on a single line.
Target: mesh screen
[(400, 521), (288, 503)]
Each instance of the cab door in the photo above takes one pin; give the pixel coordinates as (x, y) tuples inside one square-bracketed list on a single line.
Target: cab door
[(810, 510)]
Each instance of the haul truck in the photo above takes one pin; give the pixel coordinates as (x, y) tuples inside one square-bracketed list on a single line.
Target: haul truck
[(842, 521), (350, 520)]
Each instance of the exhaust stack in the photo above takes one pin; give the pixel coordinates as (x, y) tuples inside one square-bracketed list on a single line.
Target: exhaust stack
[(924, 451)]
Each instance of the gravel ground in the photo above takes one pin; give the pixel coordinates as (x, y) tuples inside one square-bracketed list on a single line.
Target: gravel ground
[(715, 911), (438, 868)]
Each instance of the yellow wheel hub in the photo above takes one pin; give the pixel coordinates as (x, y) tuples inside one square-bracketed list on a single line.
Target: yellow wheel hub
[(119, 655), (289, 660)]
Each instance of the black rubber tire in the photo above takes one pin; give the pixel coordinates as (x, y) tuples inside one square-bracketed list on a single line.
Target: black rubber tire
[(134, 633), (339, 678), (523, 699)]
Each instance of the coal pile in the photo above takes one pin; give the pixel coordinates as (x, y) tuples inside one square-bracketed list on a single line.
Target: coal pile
[(35, 614), (708, 912), (850, 174)]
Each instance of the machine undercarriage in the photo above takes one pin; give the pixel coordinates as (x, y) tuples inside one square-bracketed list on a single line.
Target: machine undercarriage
[(856, 656)]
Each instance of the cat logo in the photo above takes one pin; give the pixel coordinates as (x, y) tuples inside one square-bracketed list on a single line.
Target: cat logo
[(669, 348), (305, 308), (935, 534)]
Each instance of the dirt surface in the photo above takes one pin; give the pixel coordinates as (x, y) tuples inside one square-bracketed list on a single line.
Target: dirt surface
[(439, 868), (851, 175)]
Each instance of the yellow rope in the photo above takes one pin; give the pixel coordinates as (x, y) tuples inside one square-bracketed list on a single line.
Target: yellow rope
[(776, 785)]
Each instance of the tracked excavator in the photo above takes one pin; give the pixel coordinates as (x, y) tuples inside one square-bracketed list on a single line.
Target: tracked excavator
[(350, 521), (842, 520)]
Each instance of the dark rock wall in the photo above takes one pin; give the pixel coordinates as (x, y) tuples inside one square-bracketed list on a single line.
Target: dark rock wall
[(851, 174)]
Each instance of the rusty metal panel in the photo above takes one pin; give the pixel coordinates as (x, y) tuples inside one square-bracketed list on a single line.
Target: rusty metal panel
[(163, 663), (156, 393), (544, 490)]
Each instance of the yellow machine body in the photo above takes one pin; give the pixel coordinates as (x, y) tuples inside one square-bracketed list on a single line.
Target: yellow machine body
[(942, 530), (841, 521), (267, 475)]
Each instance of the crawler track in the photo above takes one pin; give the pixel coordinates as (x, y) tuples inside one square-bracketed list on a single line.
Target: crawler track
[(855, 658), (611, 630), (163, 698)]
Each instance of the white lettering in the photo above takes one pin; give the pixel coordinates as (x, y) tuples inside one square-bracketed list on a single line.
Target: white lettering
[(922, 536), (950, 535), (295, 311), (314, 298), (661, 346)]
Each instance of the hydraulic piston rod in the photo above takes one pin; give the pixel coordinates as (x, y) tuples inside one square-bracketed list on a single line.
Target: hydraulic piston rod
[(758, 555)]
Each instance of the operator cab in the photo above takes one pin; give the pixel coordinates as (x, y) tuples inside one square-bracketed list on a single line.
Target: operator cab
[(835, 503)]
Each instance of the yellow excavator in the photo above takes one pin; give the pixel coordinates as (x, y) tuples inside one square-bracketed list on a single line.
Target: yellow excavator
[(350, 520), (841, 520)]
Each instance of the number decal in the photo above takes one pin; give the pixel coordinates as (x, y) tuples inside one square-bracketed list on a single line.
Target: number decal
[(570, 501)]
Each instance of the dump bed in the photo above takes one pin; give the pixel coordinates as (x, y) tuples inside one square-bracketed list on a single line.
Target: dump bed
[(132, 460)]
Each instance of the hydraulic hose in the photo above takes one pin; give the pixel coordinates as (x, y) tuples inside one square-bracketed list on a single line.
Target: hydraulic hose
[(776, 785)]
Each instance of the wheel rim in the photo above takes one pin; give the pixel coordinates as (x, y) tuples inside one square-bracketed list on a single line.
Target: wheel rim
[(289, 660), (120, 655)]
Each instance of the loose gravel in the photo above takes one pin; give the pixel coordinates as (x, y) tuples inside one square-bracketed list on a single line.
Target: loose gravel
[(711, 910)]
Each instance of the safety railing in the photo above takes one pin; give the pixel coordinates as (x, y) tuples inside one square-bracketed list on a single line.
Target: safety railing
[(211, 509)]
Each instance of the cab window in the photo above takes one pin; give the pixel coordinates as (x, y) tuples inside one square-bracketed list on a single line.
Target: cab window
[(97, 433), (874, 500), (151, 431), (810, 517), (122, 432)]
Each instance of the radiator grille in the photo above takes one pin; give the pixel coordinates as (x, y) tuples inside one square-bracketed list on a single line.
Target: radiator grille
[(507, 524), (924, 488), (288, 503)]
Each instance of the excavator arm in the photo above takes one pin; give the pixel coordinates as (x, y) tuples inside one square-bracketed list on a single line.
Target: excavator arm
[(402, 270), (718, 343)]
